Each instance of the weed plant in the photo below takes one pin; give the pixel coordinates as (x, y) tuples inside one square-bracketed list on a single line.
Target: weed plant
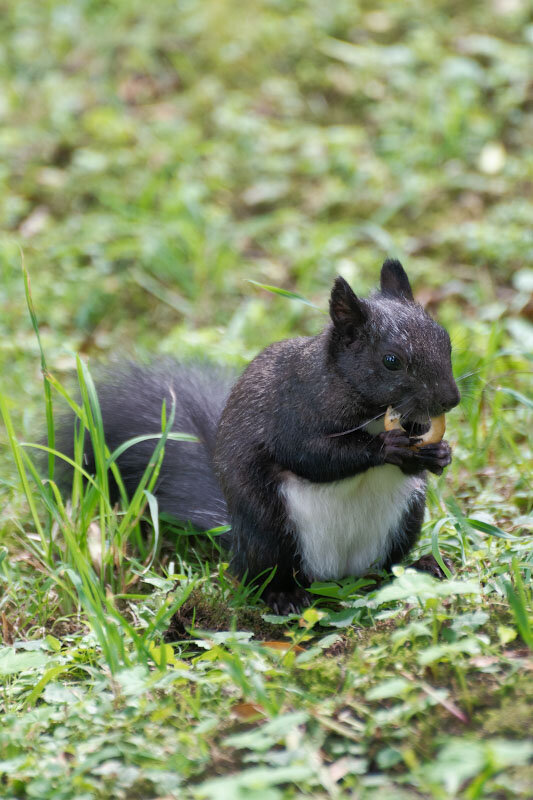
[(89, 554), (154, 160)]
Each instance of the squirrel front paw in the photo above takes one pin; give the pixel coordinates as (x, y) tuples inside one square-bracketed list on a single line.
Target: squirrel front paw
[(397, 449), (435, 456)]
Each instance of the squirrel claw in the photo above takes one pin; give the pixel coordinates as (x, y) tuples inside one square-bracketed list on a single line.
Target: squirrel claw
[(432, 457), (291, 602), (429, 564), (436, 456)]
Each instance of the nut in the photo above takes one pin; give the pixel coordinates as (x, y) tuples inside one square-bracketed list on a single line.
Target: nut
[(432, 436)]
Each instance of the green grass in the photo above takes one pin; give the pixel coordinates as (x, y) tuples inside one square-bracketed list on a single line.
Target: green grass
[(159, 165)]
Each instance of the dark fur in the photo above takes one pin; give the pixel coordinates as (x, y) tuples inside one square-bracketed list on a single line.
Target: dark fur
[(298, 406), (131, 398)]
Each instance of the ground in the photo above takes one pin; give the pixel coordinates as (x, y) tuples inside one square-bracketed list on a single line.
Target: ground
[(153, 160)]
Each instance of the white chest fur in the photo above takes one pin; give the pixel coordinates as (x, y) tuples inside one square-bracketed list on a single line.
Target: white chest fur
[(346, 527)]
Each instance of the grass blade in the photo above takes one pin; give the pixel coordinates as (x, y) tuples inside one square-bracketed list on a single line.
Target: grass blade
[(44, 369), (517, 600), (287, 294)]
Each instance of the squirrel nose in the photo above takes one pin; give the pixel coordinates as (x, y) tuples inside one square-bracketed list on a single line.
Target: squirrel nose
[(451, 399)]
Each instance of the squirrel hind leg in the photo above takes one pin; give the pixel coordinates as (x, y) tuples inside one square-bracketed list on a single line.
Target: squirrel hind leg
[(408, 532), (428, 563), (263, 549)]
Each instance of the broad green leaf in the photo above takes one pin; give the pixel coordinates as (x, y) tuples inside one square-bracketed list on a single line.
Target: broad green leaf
[(394, 687), (269, 734), (12, 662), (422, 586), (255, 783)]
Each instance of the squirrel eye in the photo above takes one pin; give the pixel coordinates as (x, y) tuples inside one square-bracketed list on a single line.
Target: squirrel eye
[(392, 362)]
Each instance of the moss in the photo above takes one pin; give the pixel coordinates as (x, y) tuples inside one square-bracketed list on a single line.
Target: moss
[(208, 612), (513, 718)]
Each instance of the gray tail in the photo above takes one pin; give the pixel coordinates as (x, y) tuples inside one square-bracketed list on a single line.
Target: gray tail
[(131, 398)]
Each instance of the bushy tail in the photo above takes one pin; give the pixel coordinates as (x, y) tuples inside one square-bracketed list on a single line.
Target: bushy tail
[(131, 398)]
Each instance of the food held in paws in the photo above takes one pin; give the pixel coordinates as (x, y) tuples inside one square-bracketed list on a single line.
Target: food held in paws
[(432, 436)]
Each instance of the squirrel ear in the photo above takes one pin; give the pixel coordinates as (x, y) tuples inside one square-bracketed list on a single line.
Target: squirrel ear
[(394, 280), (345, 309)]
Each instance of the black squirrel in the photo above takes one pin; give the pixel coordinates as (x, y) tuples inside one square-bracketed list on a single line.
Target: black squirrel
[(294, 454)]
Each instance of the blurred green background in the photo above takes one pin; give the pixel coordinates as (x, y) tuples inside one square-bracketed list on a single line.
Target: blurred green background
[(155, 156)]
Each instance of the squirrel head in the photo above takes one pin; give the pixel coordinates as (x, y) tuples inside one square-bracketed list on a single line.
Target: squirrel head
[(389, 350)]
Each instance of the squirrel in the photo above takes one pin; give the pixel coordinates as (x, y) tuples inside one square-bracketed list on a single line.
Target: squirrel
[(293, 455)]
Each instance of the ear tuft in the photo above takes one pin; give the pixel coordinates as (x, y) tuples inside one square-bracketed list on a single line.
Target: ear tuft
[(394, 280), (345, 309)]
